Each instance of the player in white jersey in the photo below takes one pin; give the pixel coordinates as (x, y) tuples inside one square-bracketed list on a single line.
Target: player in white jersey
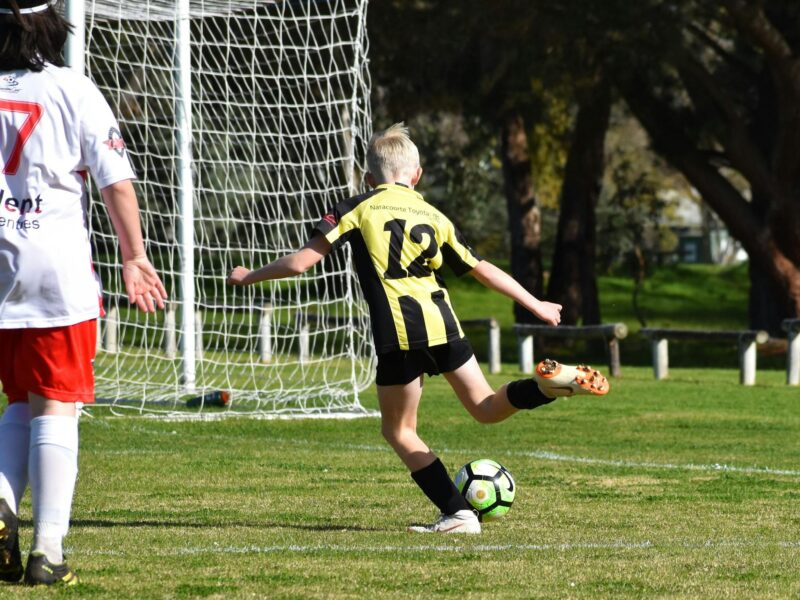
[(55, 127)]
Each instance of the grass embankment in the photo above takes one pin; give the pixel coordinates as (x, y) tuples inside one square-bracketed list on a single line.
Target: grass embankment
[(680, 296)]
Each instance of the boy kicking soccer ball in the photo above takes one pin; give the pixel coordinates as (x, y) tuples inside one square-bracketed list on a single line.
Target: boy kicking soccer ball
[(54, 127), (399, 244)]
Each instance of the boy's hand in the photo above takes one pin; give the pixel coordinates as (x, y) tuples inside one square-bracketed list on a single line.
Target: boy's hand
[(549, 312), (238, 276), (143, 284)]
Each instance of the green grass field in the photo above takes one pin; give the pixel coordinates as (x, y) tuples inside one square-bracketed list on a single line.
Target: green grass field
[(684, 488)]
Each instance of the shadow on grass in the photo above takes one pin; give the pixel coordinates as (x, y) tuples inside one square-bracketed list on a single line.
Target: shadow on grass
[(192, 525)]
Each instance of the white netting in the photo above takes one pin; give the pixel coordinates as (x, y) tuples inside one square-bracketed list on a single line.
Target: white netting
[(280, 120)]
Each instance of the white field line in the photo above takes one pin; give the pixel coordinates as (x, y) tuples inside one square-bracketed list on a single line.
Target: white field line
[(539, 454), (553, 456), (390, 549)]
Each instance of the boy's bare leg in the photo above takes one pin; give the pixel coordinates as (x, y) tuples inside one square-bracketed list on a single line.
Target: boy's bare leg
[(481, 401), (399, 404), (552, 380)]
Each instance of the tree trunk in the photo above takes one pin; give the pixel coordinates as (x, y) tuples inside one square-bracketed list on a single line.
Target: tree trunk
[(766, 305), (573, 282), (524, 218), (764, 226)]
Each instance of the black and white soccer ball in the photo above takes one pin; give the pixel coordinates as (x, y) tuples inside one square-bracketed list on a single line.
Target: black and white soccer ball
[(488, 487)]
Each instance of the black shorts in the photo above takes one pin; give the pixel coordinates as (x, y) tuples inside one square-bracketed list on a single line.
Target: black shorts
[(404, 366)]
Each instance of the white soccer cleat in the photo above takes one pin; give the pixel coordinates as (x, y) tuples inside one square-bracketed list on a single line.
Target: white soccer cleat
[(556, 380), (463, 521)]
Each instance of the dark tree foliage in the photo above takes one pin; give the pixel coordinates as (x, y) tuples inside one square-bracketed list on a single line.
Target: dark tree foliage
[(717, 87), (715, 84), (471, 58)]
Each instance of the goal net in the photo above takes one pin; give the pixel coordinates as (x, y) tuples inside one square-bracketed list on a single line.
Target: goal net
[(244, 120)]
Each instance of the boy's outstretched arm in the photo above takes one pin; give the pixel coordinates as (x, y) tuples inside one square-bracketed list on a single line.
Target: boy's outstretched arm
[(286, 266), (500, 281)]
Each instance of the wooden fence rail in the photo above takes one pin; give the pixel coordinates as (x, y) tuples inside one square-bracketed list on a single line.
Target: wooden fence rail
[(612, 333), (747, 340), (109, 329)]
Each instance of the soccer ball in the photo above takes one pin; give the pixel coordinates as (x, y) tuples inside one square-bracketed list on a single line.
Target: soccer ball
[(488, 487)]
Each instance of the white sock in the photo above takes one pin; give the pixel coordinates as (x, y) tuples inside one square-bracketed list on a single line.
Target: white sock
[(15, 431), (52, 468)]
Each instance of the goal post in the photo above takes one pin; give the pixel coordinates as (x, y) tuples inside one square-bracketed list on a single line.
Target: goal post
[(244, 120)]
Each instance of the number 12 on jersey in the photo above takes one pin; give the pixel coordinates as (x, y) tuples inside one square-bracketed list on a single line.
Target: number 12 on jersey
[(419, 266), (34, 114)]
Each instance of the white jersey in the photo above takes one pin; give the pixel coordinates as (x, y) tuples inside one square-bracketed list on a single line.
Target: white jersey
[(55, 126)]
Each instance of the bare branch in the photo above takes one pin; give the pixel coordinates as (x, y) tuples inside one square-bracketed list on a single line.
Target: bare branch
[(740, 149), (710, 40), (750, 19), (784, 66), (666, 133)]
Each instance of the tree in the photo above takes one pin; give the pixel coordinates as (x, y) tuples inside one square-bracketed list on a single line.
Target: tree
[(720, 96), (477, 59), (717, 87), (573, 282), (524, 216)]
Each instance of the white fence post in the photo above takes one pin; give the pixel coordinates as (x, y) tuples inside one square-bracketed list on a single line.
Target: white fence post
[(111, 333), (525, 343), (495, 364), (792, 327), (170, 331), (793, 359), (198, 334), (747, 360), (265, 333), (304, 342), (660, 357)]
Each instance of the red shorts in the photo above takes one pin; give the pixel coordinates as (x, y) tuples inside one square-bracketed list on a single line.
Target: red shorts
[(54, 362)]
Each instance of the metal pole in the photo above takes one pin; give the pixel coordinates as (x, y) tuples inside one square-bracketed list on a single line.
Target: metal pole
[(75, 12), (183, 115)]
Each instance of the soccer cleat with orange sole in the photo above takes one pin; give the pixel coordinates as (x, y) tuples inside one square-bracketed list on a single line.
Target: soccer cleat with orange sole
[(556, 379)]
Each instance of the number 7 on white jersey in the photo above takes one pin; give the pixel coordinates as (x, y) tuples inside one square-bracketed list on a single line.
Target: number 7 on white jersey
[(34, 112)]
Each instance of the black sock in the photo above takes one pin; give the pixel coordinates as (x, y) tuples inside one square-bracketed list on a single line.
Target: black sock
[(525, 394), (434, 481)]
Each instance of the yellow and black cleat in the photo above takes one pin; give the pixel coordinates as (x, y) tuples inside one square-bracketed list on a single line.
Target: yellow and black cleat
[(10, 560), (41, 571)]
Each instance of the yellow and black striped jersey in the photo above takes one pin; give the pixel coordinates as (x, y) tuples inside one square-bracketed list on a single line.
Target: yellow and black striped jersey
[(399, 244)]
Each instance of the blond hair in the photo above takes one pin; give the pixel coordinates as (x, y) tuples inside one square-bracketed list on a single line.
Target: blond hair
[(392, 154)]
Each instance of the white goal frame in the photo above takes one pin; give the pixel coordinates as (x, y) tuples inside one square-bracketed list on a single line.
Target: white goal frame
[(282, 362)]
